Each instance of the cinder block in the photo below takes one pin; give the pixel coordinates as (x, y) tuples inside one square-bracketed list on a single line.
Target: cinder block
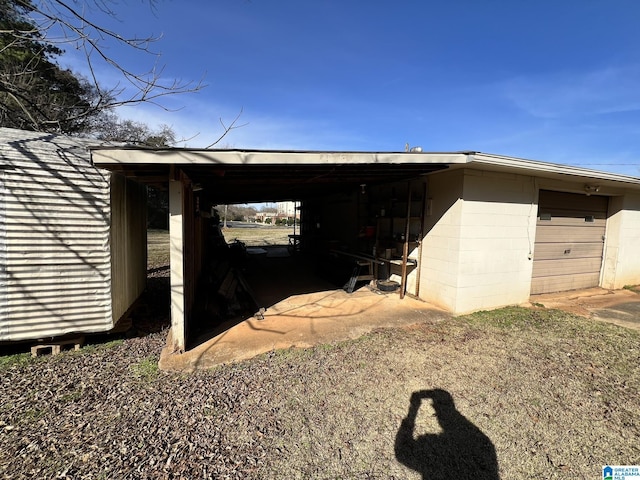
[(55, 346)]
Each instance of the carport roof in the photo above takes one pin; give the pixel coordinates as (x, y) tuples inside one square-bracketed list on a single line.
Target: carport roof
[(235, 176)]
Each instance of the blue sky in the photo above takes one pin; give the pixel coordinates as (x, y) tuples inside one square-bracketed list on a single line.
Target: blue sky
[(557, 81)]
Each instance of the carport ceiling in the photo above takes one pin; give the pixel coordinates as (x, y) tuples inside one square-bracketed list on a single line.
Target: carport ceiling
[(258, 176), (276, 182)]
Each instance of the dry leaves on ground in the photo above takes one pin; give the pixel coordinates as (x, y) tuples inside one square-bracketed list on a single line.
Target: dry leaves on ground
[(555, 396)]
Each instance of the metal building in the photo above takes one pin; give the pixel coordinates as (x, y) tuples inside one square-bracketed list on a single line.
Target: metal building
[(72, 238)]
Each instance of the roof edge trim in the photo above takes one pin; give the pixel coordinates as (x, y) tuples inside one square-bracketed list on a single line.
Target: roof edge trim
[(115, 156), (551, 168)]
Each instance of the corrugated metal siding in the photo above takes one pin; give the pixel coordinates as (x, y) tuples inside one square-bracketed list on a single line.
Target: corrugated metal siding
[(569, 241), (56, 272), (3, 257), (128, 243)]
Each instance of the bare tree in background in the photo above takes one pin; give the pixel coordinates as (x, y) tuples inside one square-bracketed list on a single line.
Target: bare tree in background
[(37, 94), (113, 129)]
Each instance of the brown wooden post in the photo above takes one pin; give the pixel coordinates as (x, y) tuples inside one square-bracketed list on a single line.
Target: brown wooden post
[(405, 247), (421, 237)]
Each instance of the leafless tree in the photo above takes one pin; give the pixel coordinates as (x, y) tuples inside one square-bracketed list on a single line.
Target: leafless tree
[(68, 23), (48, 97), (37, 94)]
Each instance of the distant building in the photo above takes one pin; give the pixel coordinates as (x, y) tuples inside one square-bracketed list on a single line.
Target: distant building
[(263, 216), (288, 210)]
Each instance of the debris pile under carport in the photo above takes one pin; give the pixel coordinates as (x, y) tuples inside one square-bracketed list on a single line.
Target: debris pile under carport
[(223, 292)]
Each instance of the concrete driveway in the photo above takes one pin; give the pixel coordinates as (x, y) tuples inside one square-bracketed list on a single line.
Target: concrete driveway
[(621, 307), (304, 320), (327, 316)]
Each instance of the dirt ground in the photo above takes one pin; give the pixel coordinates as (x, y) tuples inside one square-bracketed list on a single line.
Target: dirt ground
[(512, 394)]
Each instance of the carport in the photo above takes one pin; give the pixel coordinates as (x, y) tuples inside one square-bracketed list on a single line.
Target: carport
[(198, 179), (463, 231)]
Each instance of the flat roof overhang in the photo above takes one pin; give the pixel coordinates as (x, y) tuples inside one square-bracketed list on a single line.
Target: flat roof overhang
[(237, 176), (501, 163), (243, 176)]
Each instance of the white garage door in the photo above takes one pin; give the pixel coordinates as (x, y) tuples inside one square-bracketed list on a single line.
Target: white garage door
[(569, 241)]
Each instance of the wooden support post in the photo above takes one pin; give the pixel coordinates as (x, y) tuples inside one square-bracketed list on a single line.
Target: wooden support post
[(421, 237), (176, 246), (405, 247)]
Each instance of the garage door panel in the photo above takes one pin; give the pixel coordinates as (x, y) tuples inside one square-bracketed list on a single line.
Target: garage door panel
[(572, 201), (573, 222), (564, 212), (555, 251), (569, 241), (568, 266), (561, 283), (560, 234)]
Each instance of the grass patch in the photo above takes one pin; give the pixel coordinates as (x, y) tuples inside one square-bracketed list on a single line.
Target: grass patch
[(70, 397), (112, 343), (516, 317), (9, 361), (98, 347), (146, 369), (32, 415), (546, 387), (259, 236), (157, 248), (554, 394)]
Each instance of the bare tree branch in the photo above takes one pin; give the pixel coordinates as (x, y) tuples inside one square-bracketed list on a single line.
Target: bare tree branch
[(226, 130), (57, 23)]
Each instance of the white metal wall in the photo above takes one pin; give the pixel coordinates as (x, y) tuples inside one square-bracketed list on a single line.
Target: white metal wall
[(128, 243), (3, 255), (56, 269)]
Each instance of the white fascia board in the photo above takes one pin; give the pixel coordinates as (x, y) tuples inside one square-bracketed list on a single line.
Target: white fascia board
[(115, 156), (548, 169)]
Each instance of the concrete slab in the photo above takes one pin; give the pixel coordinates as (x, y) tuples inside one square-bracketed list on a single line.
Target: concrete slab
[(303, 309), (620, 307), (304, 320)]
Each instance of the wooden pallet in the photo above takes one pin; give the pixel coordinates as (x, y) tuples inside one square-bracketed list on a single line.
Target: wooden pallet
[(55, 346)]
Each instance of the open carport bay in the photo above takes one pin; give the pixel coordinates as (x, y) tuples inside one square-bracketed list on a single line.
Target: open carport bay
[(455, 229), (298, 299)]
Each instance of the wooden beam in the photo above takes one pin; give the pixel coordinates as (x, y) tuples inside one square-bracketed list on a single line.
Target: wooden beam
[(405, 247), (423, 211), (176, 248)]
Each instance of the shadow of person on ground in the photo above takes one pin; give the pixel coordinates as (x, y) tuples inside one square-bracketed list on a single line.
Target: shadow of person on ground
[(461, 451)]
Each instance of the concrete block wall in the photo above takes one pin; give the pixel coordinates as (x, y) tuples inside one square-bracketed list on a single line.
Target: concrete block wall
[(496, 240), (621, 257), (441, 240), (479, 240)]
